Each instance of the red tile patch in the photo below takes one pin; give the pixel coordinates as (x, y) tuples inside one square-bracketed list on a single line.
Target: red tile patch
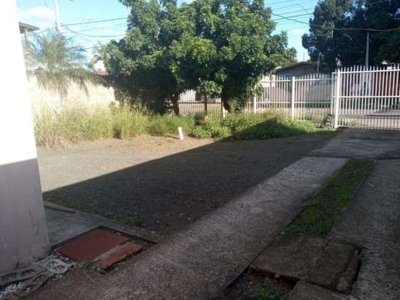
[(119, 255), (91, 244)]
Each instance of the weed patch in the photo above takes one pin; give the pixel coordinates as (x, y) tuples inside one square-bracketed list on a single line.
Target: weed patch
[(85, 123), (321, 210), (252, 127)]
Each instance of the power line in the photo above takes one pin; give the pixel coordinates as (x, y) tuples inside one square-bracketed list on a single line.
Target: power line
[(295, 16), (98, 21), (94, 36), (337, 29)]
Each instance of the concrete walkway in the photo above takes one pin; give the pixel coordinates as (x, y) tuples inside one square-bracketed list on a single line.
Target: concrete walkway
[(200, 262), (372, 220)]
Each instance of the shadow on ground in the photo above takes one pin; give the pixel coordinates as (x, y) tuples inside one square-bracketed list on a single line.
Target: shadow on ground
[(171, 192)]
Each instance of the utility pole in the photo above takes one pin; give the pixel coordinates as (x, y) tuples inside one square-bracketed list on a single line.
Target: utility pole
[(318, 62), (58, 26), (57, 12)]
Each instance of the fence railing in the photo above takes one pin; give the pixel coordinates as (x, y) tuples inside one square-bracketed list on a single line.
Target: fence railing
[(367, 98), (356, 97)]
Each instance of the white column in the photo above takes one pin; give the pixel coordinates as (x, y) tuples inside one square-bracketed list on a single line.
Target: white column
[(23, 230)]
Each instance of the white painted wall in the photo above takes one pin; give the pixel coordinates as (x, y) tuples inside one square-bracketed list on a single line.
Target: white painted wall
[(23, 230)]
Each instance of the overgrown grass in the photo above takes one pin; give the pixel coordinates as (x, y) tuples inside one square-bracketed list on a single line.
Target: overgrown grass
[(320, 212), (82, 122), (252, 127)]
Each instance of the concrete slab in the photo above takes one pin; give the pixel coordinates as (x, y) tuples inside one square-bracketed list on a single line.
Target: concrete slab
[(337, 267), (307, 291), (372, 220), (362, 144), (290, 256), (316, 260), (199, 262), (379, 277)]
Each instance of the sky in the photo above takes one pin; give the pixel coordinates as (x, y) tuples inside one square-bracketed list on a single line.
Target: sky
[(92, 21)]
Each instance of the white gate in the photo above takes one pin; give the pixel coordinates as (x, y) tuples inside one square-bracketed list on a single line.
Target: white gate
[(367, 98), (301, 98)]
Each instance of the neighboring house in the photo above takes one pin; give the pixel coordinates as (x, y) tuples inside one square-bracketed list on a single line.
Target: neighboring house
[(296, 69), (25, 29)]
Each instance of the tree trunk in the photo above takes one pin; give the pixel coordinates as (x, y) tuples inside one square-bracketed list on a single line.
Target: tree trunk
[(175, 104), (205, 104)]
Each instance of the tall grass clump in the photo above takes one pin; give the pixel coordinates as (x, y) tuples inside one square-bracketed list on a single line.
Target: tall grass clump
[(168, 125), (84, 123), (252, 127), (77, 123), (129, 122)]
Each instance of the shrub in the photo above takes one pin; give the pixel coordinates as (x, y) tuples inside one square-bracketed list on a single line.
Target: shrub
[(251, 127)]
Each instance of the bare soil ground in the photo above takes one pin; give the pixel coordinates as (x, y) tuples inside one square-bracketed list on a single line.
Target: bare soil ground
[(163, 184)]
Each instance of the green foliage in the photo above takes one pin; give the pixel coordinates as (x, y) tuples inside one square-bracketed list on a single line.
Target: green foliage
[(81, 123), (252, 127), (167, 125), (264, 293), (338, 30), (87, 265), (71, 125), (56, 63), (216, 47), (321, 210), (213, 128), (129, 122)]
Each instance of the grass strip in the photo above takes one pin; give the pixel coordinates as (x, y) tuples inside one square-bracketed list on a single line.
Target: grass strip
[(321, 210)]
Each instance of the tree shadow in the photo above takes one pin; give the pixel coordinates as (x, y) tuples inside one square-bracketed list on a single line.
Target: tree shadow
[(169, 193)]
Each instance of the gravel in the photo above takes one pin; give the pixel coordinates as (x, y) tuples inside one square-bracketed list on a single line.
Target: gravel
[(164, 183)]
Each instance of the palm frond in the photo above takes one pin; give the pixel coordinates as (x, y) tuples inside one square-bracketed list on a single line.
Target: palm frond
[(57, 62)]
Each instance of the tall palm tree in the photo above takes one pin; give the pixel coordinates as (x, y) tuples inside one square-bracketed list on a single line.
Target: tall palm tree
[(56, 64)]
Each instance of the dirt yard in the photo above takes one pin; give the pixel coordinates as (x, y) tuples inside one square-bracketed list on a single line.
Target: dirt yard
[(163, 184)]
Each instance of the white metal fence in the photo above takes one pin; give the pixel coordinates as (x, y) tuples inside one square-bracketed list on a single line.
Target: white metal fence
[(357, 97), (304, 98), (367, 98)]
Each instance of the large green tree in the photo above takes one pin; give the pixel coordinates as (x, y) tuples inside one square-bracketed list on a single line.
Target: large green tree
[(229, 47), (383, 17), (218, 47), (140, 65), (340, 29), (323, 41), (57, 63)]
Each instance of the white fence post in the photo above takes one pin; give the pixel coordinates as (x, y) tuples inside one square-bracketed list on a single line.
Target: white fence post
[(333, 91), (337, 99), (223, 112), (292, 98), (255, 104)]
